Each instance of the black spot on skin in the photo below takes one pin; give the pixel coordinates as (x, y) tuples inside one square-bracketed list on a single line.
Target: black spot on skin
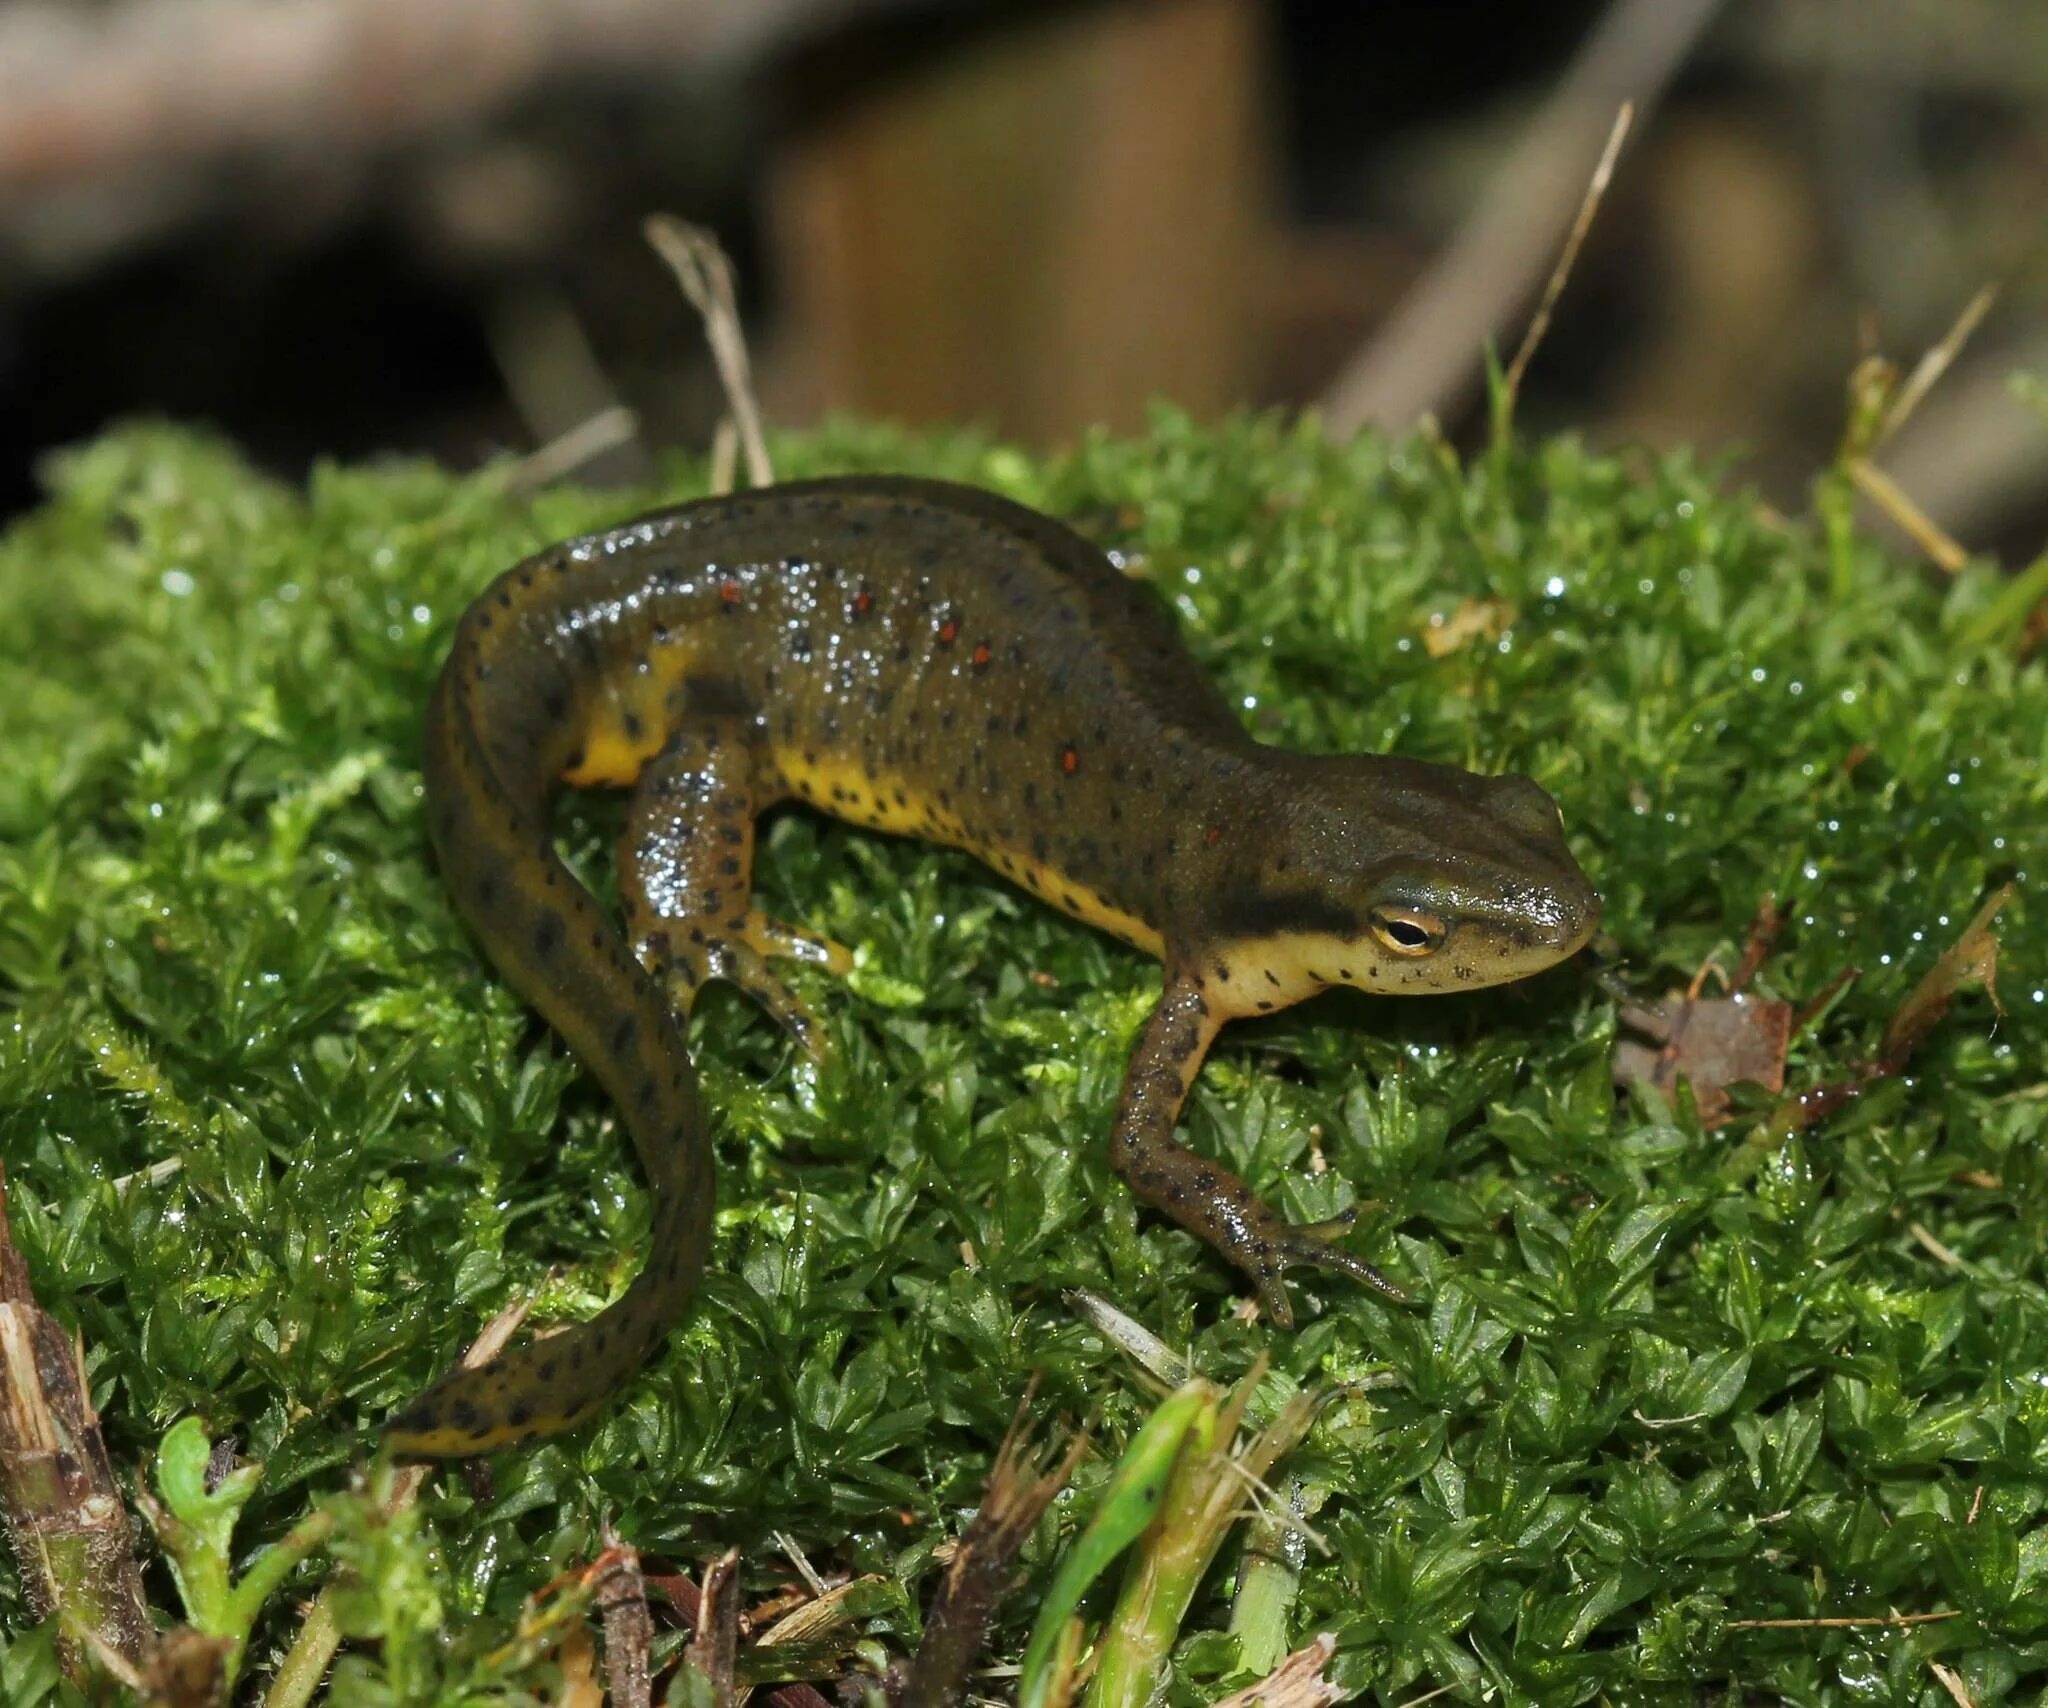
[(547, 1371), (520, 1416), (635, 729), (464, 1415), (547, 935), (624, 1033)]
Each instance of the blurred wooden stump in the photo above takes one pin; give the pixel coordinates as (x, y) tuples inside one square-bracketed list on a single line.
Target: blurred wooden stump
[(1037, 231)]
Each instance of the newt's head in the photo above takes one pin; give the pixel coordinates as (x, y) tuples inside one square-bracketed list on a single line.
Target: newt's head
[(1402, 877)]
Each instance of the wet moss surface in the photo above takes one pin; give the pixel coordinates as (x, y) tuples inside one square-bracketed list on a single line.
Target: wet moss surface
[(278, 1144)]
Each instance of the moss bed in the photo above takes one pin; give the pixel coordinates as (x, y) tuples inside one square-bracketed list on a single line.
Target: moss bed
[(278, 1144)]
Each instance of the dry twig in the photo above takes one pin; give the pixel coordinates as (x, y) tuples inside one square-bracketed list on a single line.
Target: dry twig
[(1596, 189), (701, 268), (62, 1507), (714, 1650), (1856, 1622), (628, 1627), (1428, 352), (1869, 433), (605, 431), (979, 1570)]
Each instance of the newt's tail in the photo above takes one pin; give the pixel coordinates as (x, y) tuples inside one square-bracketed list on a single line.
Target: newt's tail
[(546, 934)]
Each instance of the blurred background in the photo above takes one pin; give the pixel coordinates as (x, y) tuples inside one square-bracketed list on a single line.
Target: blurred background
[(337, 227)]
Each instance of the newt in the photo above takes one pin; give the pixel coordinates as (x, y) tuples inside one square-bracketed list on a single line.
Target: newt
[(933, 661)]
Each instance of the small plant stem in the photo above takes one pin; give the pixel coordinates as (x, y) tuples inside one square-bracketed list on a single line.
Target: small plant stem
[(1204, 1499), (1134, 1498), (1269, 1582), (303, 1667)]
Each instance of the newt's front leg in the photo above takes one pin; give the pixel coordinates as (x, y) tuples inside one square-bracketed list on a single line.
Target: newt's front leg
[(1203, 1196), (686, 876)]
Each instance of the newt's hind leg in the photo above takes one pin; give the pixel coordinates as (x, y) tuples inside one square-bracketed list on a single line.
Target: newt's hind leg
[(685, 876), (1204, 1197)]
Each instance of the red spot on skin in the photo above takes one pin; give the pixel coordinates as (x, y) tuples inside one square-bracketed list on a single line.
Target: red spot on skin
[(1213, 835), (729, 592), (863, 603), (949, 632), (1070, 760), (981, 656)]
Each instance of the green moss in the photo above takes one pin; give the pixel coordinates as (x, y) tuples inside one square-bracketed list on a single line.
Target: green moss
[(1651, 1395)]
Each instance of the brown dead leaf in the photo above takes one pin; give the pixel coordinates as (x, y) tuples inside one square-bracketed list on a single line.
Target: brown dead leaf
[(1477, 619), (1971, 959), (1297, 1682), (1711, 1041)]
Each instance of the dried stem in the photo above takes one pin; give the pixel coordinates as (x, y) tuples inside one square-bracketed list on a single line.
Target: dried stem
[(980, 1569), (628, 1627), (702, 269), (1845, 1623), (714, 1650), (1428, 352), (1589, 207), (62, 1507)]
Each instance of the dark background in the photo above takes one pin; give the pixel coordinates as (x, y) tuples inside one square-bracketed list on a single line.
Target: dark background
[(343, 227)]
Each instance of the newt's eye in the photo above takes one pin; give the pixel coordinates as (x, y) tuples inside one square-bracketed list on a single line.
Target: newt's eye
[(1407, 931)]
